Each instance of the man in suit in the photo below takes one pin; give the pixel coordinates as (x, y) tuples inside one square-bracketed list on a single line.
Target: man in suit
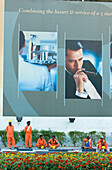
[(82, 81)]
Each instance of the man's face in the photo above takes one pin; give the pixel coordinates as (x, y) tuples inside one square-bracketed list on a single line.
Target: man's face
[(101, 139), (10, 123), (41, 137), (53, 137), (28, 123), (88, 137), (74, 60)]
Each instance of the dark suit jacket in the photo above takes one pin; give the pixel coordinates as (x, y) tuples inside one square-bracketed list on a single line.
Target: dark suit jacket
[(70, 86)]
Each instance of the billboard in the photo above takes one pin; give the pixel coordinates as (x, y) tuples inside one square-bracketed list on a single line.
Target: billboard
[(61, 66)]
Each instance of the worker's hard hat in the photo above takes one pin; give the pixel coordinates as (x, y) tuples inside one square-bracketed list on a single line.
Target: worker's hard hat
[(42, 147), (101, 137), (53, 147), (103, 147), (10, 120)]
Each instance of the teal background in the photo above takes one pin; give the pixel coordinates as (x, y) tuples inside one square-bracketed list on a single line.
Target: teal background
[(70, 26)]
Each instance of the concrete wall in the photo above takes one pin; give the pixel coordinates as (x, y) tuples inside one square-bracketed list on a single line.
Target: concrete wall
[(85, 124), (62, 125)]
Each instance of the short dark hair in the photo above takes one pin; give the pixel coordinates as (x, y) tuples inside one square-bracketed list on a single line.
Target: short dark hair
[(41, 136), (21, 39), (28, 122), (73, 45), (88, 137), (53, 136)]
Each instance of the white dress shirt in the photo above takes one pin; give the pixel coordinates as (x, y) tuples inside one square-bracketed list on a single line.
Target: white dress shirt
[(33, 77), (90, 90)]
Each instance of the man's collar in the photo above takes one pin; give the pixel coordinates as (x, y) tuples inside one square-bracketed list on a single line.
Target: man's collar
[(68, 71)]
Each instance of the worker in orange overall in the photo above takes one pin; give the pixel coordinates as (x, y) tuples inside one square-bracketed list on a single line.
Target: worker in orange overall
[(87, 143), (10, 136), (53, 142), (102, 144), (41, 143), (28, 135)]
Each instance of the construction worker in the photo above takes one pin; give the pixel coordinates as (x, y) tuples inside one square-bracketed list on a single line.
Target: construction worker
[(10, 136), (87, 143), (41, 143), (53, 142), (28, 135), (102, 144)]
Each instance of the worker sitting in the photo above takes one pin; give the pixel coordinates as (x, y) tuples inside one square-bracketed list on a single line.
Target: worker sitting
[(41, 143), (102, 144), (53, 143), (87, 143)]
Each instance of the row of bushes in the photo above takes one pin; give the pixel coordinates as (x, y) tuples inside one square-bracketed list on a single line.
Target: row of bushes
[(75, 136)]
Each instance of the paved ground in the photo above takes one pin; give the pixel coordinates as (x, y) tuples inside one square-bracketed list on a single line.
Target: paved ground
[(48, 150)]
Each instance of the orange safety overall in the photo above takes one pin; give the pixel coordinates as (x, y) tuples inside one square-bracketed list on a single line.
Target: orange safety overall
[(10, 136), (41, 143), (28, 136), (100, 144), (86, 140), (53, 143)]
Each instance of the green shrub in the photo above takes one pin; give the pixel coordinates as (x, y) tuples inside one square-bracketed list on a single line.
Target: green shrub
[(47, 134), (16, 136), (22, 135), (77, 137), (35, 135), (61, 137), (3, 137)]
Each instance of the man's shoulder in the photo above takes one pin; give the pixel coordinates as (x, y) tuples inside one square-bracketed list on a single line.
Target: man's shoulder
[(88, 65), (32, 66), (87, 62)]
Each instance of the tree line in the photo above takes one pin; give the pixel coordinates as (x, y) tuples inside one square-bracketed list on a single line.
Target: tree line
[(75, 137)]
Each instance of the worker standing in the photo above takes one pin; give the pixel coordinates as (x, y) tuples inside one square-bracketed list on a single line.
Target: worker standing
[(28, 135), (10, 135)]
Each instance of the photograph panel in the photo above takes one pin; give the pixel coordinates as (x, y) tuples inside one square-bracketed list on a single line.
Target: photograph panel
[(37, 61), (83, 69)]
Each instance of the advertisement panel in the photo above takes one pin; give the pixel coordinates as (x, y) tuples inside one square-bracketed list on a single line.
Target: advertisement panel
[(62, 61)]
